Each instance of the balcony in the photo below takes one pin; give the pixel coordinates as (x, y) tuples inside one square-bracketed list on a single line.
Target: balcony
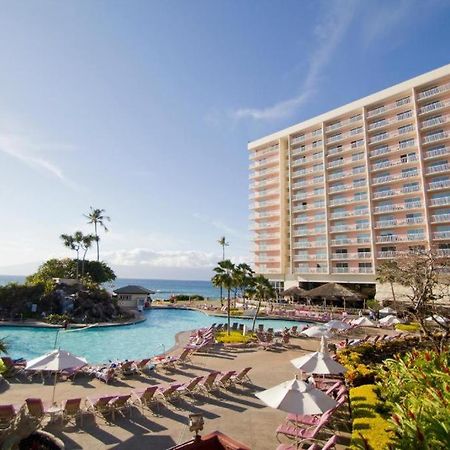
[(389, 178), (341, 228), (298, 140), (345, 201), (311, 270), (265, 193), (260, 173), (435, 137), (429, 93), (264, 226), (266, 248), (434, 185), (350, 241), (389, 107), (440, 201), (438, 169), (344, 214), (343, 123), (434, 121), (436, 152), (352, 270), (391, 134), (266, 259), (441, 235), (400, 238), (388, 254), (440, 218), (436, 106), (385, 164), (257, 205), (257, 153), (321, 257), (358, 255), (338, 150)]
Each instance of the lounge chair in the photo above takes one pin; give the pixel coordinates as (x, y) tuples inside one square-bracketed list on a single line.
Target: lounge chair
[(8, 415), (36, 408), (144, 397), (190, 387), (99, 405), (223, 380), (331, 443), (241, 377), (120, 404), (207, 383), (168, 393), (13, 369), (293, 432), (183, 358), (142, 364), (309, 420), (106, 375), (71, 409)]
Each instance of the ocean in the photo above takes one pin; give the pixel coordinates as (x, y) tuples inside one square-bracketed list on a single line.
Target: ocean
[(163, 288)]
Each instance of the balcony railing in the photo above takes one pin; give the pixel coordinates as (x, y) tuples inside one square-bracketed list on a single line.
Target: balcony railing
[(388, 107), (384, 164), (437, 152), (440, 201), (435, 137), (346, 241), (441, 235), (438, 184), (440, 218), (311, 269), (358, 255), (434, 121), (400, 238), (433, 91), (389, 178), (260, 173), (257, 153), (435, 106), (352, 270)]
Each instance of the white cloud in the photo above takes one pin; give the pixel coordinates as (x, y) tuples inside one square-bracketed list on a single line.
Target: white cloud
[(29, 151), (328, 34)]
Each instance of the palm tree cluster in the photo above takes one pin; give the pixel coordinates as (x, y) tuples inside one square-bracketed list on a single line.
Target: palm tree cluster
[(241, 279)]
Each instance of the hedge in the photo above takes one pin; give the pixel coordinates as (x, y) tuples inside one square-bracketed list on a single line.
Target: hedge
[(370, 429), (235, 337)]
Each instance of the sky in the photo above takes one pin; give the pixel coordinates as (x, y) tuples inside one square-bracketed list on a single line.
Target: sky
[(144, 108)]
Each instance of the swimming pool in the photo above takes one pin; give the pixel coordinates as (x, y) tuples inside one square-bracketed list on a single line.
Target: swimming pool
[(97, 345)]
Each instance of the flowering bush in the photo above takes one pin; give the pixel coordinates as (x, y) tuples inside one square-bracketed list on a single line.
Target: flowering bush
[(416, 388), (370, 429)]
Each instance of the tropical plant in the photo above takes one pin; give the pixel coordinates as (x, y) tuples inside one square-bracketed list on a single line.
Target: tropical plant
[(260, 290), (3, 346), (69, 241), (386, 273), (97, 218), (243, 278), (224, 279)]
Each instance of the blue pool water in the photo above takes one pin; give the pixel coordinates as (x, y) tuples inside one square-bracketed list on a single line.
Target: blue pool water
[(98, 345)]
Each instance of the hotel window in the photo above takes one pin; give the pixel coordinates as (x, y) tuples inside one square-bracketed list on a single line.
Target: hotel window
[(404, 115), (318, 168), (362, 224), (411, 187), (364, 250), (318, 191), (358, 156), (317, 132), (430, 91), (341, 251), (413, 202), (406, 129), (360, 209), (359, 182), (356, 131), (358, 196), (317, 144), (362, 238), (411, 172), (357, 143), (318, 179), (402, 101), (319, 229), (430, 106), (317, 155), (407, 157), (377, 123), (416, 234), (319, 204), (365, 265), (412, 218), (342, 265), (358, 169)]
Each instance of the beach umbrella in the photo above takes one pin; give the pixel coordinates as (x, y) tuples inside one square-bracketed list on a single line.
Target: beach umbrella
[(317, 331), (337, 325), (55, 361), (362, 322), (387, 310), (389, 320), (437, 318), (320, 362), (297, 397), (295, 293)]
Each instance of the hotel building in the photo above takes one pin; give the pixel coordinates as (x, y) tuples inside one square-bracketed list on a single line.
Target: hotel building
[(337, 194)]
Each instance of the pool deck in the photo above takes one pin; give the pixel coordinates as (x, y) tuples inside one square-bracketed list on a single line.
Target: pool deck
[(236, 412)]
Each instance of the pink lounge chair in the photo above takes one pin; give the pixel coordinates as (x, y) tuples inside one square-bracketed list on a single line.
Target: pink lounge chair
[(145, 397), (308, 420), (99, 405), (223, 380), (207, 383), (331, 443), (71, 409), (168, 393), (36, 408), (293, 432), (8, 415), (241, 377), (190, 387), (120, 404), (141, 365), (106, 375), (127, 368)]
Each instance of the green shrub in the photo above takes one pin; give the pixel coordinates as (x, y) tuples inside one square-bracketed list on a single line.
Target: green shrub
[(411, 327), (188, 298), (56, 319), (370, 429)]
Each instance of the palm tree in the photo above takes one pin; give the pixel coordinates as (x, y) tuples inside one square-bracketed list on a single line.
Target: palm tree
[(223, 243), (243, 278), (85, 244), (224, 279), (3, 346), (261, 289), (70, 242), (97, 217)]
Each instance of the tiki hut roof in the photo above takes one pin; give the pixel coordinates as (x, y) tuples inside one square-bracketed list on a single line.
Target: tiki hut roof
[(133, 289), (295, 292), (332, 290)]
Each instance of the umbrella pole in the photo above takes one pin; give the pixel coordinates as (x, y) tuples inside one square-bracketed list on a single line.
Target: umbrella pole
[(56, 339), (54, 388)]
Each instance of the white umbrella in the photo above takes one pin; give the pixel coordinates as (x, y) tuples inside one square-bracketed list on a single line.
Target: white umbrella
[(318, 362), (362, 322), (389, 320), (437, 318), (337, 325), (387, 310), (317, 331), (55, 361)]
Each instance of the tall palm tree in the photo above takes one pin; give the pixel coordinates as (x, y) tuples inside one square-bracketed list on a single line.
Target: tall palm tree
[(260, 290), (224, 278), (70, 242), (97, 217), (85, 245), (223, 243), (243, 278)]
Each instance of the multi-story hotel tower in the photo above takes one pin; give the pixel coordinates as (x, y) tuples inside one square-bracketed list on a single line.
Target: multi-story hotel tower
[(335, 195)]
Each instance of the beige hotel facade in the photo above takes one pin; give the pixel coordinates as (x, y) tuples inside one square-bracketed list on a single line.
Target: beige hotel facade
[(333, 196)]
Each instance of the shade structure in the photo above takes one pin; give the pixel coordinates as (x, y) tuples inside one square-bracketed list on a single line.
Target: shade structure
[(389, 320), (332, 290), (387, 310), (337, 325), (320, 362), (55, 361), (297, 397), (362, 322), (295, 292), (317, 331)]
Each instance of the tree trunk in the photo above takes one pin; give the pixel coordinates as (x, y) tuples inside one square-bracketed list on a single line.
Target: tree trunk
[(221, 296), (229, 313), (393, 295), (256, 315), (96, 240), (77, 266), (82, 263)]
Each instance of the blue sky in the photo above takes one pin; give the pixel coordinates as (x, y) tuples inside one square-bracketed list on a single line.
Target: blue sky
[(145, 108)]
